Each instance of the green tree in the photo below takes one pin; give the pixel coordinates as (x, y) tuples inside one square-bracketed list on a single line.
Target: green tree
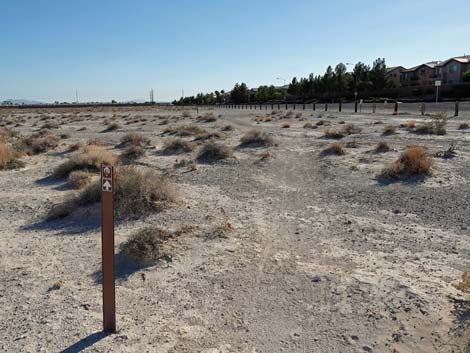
[(378, 76), (466, 76), (340, 79), (360, 77)]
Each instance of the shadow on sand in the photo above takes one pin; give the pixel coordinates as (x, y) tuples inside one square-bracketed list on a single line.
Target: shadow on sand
[(86, 342)]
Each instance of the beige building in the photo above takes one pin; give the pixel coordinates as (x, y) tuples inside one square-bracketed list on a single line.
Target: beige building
[(395, 75), (421, 75), (451, 71)]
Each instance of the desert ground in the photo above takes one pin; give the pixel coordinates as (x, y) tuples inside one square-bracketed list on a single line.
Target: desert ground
[(280, 247)]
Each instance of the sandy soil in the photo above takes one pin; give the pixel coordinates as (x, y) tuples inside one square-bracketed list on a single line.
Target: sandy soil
[(321, 258)]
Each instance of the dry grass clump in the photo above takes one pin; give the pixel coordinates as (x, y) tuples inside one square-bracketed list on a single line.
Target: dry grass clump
[(256, 138), (288, 115), (137, 192), (382, 147), (213, 152), (265, 156), (336, 149), (350, 129), (185, 130), (389, 130), (413, 162), (50, 125), (308, 126), (227, 128), (177, 145), (79, 179), (135, 139), (90, 160), (448, 153), (186, 114), (464, 126), (211, 135), (464, 285), (410, 124), (38, 143), (333, 134), (285, 125), (9, 158), (145, 246), (207, 118), (434, 127), (132, 153), (112, 127)]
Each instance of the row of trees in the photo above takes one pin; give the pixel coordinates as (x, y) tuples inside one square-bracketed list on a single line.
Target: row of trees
[(337, 83)]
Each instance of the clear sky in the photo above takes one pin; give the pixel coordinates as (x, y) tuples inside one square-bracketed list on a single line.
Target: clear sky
[(116, 49)]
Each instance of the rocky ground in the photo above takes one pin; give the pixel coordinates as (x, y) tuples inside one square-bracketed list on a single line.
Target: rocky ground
[(297, 252)]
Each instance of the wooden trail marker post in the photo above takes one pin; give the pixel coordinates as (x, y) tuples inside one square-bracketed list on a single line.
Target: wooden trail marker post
[(107, 246)]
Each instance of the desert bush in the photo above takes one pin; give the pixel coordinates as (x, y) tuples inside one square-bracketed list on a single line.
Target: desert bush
[(132, 153), (64, 136), (90, 160), (177, 145), (186, 114), (464, 126), (382, 147), (351, 129), (212, 152), (145, 245), (450, 152), (112, 127), (334, 149), (135, 139), (207, 118), (37, 143), (256, 138), (185, 130), (410, 124), (227, 128), (50, 125), (333, 134), (435, 127), (265, 156), (9, 159), (137, 192), (389, 130), (308, 126), (79, 179), (285, 125), (414, 161), (320, 123), (210, 135)]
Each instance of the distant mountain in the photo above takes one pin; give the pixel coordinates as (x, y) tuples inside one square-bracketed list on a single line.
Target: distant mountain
[(20, 102)]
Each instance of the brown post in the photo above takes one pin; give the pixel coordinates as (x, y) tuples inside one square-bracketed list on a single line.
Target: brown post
[(107, 246), (303, 106), (314, 107), (395, 110), (293, 107), (340, 107), (278, 106), (423, 108), (374, 107), (355, 107), (286, 106), (457, 108), (326, 107)]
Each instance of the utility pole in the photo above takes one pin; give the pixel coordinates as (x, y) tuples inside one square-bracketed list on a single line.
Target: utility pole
[(151, 95), (76, 96)]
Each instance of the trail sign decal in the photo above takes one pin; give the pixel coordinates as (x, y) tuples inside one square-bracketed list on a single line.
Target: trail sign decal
[(107, 186)]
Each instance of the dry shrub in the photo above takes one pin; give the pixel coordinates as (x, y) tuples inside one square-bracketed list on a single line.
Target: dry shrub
[(413, 162), (298, 116), (449, 153), (212, 135), (146, 245), (289, 115), (82, 128), (389, 130), (256, 138), (333, 134), (75, 147), (64, 136), (227, 128), (38, 143), (212, 152), (176, 146), (320, 123), (410, 124), (90, 160), (112, 127), (464, 285), (135, 139), (97, 142), (334, 149), (265, 156), (9, 158), (132, 153), (464, 126), (382, 147), (79, 179), (185, 130), (50, 125), (285, 125), (186, 114), (308, 126), (137, 192), (207, 118), (351, 129), (424, 128)]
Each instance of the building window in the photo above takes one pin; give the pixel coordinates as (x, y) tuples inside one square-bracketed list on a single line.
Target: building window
[(422, 72), (453, 68)]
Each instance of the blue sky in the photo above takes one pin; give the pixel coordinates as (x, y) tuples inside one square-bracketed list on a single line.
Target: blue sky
[(120, 49)]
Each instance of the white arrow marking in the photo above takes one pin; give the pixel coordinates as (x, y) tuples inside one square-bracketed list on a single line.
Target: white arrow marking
[(107, 186)]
